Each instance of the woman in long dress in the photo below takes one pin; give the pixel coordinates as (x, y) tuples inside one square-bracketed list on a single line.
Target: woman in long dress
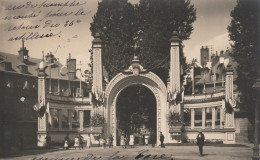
[(122, 141), (88, 141), (131, 141), (146, 137), (76, 142)]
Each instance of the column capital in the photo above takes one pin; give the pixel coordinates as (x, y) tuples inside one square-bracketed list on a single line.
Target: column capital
[(174, 38), (97, 42)]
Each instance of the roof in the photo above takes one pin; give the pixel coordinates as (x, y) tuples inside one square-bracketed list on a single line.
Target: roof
[(13, 59), (33, 67)]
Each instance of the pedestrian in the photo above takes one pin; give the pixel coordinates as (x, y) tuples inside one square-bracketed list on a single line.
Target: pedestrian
[(111, 141), (162, 139), (76, 142), (200, 141), (131, 141), (143, 139), (122, 141), (88, 141), (81, 141), (104, 142), (48, 141), (152, 138), (67, 142), (146, 139)]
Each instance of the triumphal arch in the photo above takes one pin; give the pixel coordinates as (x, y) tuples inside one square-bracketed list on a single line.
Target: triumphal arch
[(178, 116)]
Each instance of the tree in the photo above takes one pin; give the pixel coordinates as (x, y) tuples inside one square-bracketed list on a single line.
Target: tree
[(143, 29), (115, 21), (244, 32)]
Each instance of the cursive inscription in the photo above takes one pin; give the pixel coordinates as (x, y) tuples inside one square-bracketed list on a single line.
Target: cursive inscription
[(141, 155), (33, 24)]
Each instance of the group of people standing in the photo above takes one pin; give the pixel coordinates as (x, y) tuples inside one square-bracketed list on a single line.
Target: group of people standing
[(78, 142), (124, 141)]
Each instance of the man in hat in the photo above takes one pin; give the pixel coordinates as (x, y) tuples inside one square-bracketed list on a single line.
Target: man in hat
[(200, 141), (162, 139)]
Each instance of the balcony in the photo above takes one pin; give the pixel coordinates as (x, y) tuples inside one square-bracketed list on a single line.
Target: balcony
[(199, 98), (68, 99)]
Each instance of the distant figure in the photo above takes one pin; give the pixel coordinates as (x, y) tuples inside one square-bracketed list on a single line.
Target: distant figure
[(48, 141), (104, 143), (162, 139), (21, 142), (80, 142), (200, 141), (111, 141), (152, 138), (131, 141), (88, 141), (122, 141), (146, 139), (143, 139), (76, 142), (67, 142)]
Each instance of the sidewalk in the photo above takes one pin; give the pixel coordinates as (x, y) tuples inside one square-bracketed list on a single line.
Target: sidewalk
[(239, 152)]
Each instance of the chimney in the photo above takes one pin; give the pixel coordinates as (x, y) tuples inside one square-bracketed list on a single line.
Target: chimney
[(71, 65), (50, 58), (23, 53)]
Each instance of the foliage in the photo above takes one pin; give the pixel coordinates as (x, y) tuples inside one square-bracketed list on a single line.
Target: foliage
[(97, 120), (244, 32), (115, 21), (174, 119), (144, 30)]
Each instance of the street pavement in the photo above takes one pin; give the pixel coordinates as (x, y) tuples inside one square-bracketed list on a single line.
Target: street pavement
[(241, 152)]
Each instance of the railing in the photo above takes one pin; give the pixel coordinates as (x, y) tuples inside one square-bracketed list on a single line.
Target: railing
[(68, 99), (203, 96)]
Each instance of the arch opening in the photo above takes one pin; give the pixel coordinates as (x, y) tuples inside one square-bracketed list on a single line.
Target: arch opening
[(136, 112)]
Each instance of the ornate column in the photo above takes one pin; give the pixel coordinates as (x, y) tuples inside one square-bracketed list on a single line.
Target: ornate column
[(229, 95), (42, 121), (81, 121), (213, 117), (97, 87), (174, 86)]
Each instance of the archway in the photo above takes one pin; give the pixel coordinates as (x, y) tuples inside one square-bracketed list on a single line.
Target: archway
[(124, 80), (136, 114)]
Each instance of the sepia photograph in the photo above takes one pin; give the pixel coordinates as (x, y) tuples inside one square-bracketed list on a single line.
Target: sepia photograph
[(129, 79)]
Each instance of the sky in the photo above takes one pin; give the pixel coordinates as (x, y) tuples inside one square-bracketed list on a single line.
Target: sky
[(71, 33)]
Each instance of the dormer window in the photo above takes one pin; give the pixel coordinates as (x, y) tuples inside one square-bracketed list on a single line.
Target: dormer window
[(23, 68)]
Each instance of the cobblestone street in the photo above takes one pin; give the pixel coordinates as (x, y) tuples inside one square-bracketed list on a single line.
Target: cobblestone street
[(141, 152)]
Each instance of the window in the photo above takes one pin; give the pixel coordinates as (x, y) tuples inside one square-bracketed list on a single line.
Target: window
[(187, 117), (86, 120), (198, 117), (73, 92), (75, 119), (208, 122), (217, 122), (55, 118), (65, 119)]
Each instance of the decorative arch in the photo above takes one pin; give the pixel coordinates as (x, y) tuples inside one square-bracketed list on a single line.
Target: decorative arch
[(124, 80)]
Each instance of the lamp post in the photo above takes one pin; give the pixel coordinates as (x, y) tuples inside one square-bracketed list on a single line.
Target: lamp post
[(256, 145)]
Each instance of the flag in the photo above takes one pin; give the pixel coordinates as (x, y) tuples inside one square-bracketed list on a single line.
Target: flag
[(208, 65), (226, 62), (197, 65), (49, 113)]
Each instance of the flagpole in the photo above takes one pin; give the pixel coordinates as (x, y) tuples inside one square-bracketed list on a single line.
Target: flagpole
[(204, 88), (193, 79)]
